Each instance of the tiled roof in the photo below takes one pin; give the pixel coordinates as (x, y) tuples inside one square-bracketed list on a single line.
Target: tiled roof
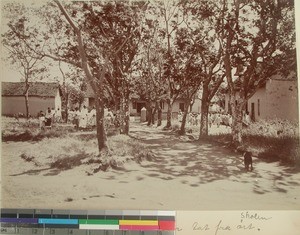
[(41, 89)]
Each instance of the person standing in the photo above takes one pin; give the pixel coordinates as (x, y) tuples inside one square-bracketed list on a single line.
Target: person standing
[(210, 121), (247, 119), (218, 120), (92, 120), (48, 118), (83, 117), (76, 118), (58, 115), (42, 120)]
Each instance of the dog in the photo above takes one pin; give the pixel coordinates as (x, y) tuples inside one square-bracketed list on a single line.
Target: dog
[(248, 161)]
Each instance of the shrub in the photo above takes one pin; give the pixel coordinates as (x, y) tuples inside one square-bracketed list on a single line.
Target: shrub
[(68, 162)]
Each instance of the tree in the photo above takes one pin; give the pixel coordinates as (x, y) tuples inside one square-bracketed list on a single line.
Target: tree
[(84, 36), (118, 24), (252, 47), (15, 39), (101, 57), (187, 73), (172, 18), (150, 83), (73, 87), (201, 22)]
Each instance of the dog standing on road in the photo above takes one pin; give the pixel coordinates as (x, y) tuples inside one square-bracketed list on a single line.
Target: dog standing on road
[(248, 161)]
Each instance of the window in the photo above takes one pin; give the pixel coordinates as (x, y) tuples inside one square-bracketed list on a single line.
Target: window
[(258, 107)]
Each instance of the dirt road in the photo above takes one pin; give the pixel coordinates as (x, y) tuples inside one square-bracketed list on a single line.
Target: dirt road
[(186, 175)]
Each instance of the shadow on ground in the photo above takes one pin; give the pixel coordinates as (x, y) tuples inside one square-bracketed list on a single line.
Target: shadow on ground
[(206, 162)]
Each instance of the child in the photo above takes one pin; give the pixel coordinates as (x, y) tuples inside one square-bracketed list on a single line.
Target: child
[(42, 120)]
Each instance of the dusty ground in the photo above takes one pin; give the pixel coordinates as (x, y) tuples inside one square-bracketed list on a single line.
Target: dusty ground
[(185, 176)]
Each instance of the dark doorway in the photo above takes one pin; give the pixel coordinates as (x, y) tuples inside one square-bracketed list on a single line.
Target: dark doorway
[(139, 106), (181, 107), (252, 112)]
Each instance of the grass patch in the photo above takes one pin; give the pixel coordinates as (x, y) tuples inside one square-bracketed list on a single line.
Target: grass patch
[(28, 130), (123, 149), (70, 151), (272, 140), (285, 149), (32, 135)]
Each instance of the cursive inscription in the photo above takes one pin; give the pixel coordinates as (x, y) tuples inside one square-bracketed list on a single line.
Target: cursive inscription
[(196, 226), (221, 227), (253, 216), (244, 221)]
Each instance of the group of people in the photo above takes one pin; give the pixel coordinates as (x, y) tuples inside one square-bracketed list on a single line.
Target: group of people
[(83, 118), (218, 119), (193, 119), (47, 118)]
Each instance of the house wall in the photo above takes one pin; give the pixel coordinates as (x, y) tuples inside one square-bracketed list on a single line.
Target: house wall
[(282, 100), (57, 101), (259, 103), (278, 99), (16, 104)]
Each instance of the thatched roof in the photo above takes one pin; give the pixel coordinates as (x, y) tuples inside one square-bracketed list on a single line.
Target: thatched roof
[(41, 89)]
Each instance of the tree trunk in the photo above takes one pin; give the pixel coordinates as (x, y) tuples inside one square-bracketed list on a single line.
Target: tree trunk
[(153, 115), (204, 113), (237, 120), (27, 105), (159, 113), (27, 100), (185, 113), (192, 103), (66, 107), (169, 113), (101, 133), (149, 112), (126, 114)]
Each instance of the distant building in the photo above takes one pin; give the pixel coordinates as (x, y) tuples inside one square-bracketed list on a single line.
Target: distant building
[(136, 105), (41, 96), (277, 98)]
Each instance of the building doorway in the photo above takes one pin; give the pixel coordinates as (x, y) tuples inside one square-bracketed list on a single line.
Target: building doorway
[(252, 114), (139, 106)]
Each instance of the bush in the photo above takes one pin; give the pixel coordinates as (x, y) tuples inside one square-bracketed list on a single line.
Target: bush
[(67, 162), (273, 128), (32, 135), (273, 140)]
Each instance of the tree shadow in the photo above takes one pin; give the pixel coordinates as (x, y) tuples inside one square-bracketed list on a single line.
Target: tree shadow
[(208, 162), (32, 172)]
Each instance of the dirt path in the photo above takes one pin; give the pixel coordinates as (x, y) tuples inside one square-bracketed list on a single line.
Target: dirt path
[(186, 175)]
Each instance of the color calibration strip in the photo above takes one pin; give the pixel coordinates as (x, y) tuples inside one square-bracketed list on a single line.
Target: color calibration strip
[(29, 221)]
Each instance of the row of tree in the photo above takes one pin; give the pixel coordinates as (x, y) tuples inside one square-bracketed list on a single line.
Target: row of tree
[(158, 50)]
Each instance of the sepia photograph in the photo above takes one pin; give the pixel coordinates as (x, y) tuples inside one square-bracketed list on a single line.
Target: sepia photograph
[(149, 105)]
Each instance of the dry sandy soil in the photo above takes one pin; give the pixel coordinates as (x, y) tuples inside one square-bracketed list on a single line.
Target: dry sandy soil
[(186, 175)]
